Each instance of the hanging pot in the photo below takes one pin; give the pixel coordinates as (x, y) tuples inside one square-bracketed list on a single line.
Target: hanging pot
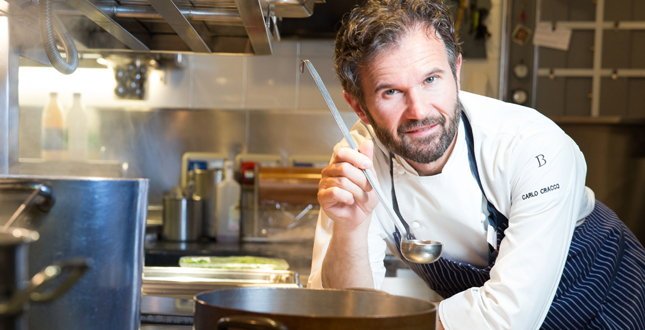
[(296, 308)]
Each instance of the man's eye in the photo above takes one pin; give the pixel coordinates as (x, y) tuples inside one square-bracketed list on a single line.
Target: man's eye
[(431, 79), (390, 92)]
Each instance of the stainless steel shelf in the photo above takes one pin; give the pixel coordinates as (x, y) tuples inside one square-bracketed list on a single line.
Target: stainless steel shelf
[(589, 73), (186, 282), (591, 25)]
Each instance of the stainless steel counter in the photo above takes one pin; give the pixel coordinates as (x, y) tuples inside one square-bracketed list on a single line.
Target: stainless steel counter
[(167, 253)]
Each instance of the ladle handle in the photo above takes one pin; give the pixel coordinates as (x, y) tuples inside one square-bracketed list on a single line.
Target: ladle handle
[(352, 144)]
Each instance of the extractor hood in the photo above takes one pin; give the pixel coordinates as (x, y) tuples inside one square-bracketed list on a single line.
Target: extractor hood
[(170, 26)]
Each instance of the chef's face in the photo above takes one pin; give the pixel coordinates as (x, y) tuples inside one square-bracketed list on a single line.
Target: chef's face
[(410, 96)]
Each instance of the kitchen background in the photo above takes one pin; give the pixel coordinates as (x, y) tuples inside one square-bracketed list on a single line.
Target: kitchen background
[(211, 103), (248, 100), (262, 104)]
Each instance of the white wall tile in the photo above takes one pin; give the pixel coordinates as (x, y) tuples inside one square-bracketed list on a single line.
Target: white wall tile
[(217, 81), (317, 48), (168, 88), (310, 98), (271, 80), (232, 82)]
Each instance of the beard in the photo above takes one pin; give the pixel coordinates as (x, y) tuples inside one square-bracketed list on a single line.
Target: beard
[(424, 150)]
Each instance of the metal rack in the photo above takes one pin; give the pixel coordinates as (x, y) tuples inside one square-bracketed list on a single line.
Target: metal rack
[(592, 67), (199, 26)]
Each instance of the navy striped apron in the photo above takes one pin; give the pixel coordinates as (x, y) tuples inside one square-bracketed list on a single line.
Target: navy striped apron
[(603, 282)]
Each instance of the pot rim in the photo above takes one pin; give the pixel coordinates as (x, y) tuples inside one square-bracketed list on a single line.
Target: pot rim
[(200, 302), (31, 177)]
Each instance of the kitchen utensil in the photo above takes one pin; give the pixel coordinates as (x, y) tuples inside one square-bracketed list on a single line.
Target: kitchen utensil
[(204, 182), (297, 308), (16, 290), (419, 251), (182, 217), (100, 220)]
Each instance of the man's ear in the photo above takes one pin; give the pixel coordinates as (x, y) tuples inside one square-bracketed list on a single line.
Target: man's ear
[(356, 106)]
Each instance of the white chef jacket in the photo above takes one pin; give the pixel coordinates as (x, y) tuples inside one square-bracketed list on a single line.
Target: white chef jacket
[(531, 171)]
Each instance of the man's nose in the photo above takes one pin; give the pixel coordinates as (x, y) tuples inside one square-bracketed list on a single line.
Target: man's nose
[(418, 105)]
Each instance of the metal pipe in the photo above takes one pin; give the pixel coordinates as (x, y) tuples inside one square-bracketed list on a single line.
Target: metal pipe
[(8, 98), (51, 28), (212, 15), (184, 29), (88, 8)]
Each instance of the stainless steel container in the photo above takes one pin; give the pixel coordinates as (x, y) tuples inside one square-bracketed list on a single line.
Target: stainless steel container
[(17, 290), (13, 260), (204, 183), (182, 217), (101, 221)]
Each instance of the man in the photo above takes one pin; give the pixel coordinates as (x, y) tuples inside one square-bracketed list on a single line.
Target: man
[(525, 244)]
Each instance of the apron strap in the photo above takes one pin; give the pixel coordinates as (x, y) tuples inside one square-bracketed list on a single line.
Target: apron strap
[(496, 221), (395, 204)]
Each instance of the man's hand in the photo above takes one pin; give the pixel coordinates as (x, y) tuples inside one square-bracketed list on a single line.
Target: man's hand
[(347, 198), (343, 192)]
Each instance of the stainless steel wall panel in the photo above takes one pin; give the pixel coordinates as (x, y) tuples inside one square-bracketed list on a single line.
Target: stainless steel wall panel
[(636, 99), (618, 10), (580, 53), (577, 98), (151, 143), (8, 97), (616, 49), (286, 134), (552, 58), (581, 10), (551, 10), (614, 96), (638, 10), (553, 103), (637, 59)]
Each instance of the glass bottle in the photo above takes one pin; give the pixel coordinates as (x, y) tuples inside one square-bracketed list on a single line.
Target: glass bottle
[(53, 130), (228, 206), (77, 129)]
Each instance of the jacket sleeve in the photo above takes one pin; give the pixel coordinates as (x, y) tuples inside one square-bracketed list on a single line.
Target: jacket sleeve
[(376, 245), (545, 175), (324, 228)]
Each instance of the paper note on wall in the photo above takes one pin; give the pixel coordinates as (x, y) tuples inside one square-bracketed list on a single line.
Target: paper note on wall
[(552, 36)]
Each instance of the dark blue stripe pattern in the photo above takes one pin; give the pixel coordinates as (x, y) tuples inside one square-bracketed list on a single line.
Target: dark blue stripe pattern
[(602, 286)]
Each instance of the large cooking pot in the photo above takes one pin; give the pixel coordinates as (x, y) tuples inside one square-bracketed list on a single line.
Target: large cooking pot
[(16, 290), (99, 220), (296, 308)]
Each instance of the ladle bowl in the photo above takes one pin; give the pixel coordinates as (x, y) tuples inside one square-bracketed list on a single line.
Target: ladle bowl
[(421, 251)]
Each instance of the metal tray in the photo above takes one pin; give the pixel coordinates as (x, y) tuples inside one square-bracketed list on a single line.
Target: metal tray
[(186, 282)]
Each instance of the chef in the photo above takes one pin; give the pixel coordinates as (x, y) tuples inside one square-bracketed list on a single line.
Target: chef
[(525, 243)]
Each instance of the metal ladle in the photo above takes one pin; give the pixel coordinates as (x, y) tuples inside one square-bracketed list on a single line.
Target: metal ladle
[(414, 250)]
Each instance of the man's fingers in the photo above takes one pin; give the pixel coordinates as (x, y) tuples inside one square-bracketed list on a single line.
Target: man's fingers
[(342, 188), (353, 157), (347, 171)]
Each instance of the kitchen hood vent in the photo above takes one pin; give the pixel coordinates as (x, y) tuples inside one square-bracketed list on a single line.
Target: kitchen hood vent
[(174, 26)]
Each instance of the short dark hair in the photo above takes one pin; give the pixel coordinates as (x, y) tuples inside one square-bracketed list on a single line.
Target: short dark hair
[(380, 24)]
